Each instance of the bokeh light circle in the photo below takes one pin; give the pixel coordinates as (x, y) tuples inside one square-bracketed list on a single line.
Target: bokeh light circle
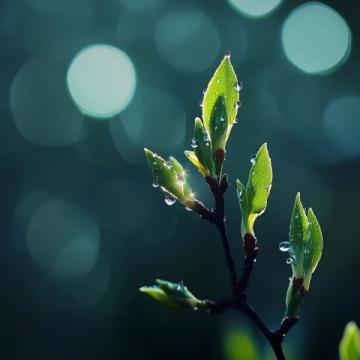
[(342, 125), (316, 39), (41, 106), (62, 239), (187, 39), (155, 119), (101, 80), (254, 8)]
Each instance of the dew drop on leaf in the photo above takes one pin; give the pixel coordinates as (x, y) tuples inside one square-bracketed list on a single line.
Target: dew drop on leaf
[(289, 261), (169, 200), (284, 246)]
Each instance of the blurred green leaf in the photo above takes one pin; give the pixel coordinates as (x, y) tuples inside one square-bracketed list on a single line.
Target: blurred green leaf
[(175, 295), (253, 198), (349, 348), (171, 177), (239, 345), (223, 84), (297, 237)]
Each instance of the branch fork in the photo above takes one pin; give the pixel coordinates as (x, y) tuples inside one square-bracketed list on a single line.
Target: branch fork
[(238, 300)]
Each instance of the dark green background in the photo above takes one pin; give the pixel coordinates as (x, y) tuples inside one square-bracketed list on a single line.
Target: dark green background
[(101, 314)]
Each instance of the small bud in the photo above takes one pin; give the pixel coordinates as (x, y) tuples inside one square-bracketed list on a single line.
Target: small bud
[(175, 295)]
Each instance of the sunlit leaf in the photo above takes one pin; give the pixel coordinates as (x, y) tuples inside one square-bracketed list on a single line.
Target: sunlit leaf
[(253, 199), (297, 237), (175, 295), (349, 348), (244, 206), (223, 84), (171, 177), (203, 148)]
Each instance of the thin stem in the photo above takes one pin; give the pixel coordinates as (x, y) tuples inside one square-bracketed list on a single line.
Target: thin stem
[(228, 256), (239, 299)]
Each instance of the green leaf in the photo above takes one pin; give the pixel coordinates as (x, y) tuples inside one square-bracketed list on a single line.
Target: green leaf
[(175, 295), (244, 206), (297, 237), (259, 183), (203, 149), (239, 345), (171, 177), (159, 295), (218, 124), (313, 247), (223, 84), (349, 348), (257, 189)]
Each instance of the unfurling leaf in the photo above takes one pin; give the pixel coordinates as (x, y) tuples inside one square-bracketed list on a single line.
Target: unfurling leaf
[(171, 177), (305, 249), (297, 237), (175, 295), (219, 109), (253, 198), (202, 156), (223, 83), (313, 248), (349, 348)]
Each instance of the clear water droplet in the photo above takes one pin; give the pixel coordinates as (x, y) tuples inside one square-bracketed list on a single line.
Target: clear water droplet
[(194, 144), (284, 246), (253, 159), (237, 105), (222, 119), (155, 183), (296, 216), (235, 121), (238, 86), (201, 103), (268, 188), (187, 208), (289, 261), (207, 142), (169, 200)]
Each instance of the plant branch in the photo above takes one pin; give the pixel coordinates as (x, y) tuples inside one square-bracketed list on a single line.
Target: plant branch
[(238, 300)]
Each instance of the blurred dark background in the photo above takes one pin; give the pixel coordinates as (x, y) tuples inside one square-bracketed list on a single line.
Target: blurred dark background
[(85, 85)]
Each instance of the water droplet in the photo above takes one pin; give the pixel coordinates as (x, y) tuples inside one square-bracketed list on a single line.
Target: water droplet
[(289, 261), (228, 54), (253, 159), (187, 208), (201, 103), (169, 200), (296, 216), (237, 105), (207, 142), (268, 188), (155, 183), (194, 144), (284, 246), (238, 86), (235, 121), (222, 119)]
